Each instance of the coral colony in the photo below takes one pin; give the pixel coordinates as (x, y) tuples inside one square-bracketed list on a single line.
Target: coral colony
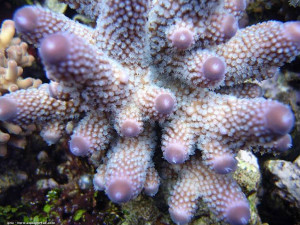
[(184, 64), (13, 58)]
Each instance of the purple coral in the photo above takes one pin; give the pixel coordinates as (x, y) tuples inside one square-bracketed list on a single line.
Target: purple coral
[(222, 195), (183, 64), (25, 20), (182, 38), (55, 49)]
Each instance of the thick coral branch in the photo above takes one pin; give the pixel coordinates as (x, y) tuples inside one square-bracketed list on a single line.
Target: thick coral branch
[(35, 23), (256, 51), (121, 31), (221, 193)]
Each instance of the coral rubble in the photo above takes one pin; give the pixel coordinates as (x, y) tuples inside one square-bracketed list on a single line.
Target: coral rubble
[(295, 3), (284, 191), (184, 64)]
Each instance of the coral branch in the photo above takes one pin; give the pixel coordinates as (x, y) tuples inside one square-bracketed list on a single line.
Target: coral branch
[(222, 195)]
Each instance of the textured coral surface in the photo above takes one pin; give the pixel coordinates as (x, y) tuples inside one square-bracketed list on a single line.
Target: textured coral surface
[(184, 65), (13, 58)]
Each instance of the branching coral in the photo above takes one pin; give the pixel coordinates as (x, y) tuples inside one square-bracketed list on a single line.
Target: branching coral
[(13, 58), (185, 64)]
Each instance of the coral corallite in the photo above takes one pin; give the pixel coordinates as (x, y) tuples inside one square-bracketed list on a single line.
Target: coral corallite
[(183, 64)]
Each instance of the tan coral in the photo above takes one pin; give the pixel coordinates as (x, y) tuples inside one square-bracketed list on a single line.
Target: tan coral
[(13, 57)]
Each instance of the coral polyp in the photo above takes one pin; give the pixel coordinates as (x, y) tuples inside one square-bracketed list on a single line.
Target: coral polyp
[(184, 65)]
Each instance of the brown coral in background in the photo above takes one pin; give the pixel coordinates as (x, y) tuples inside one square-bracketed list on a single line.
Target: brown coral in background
[(13, 58)]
